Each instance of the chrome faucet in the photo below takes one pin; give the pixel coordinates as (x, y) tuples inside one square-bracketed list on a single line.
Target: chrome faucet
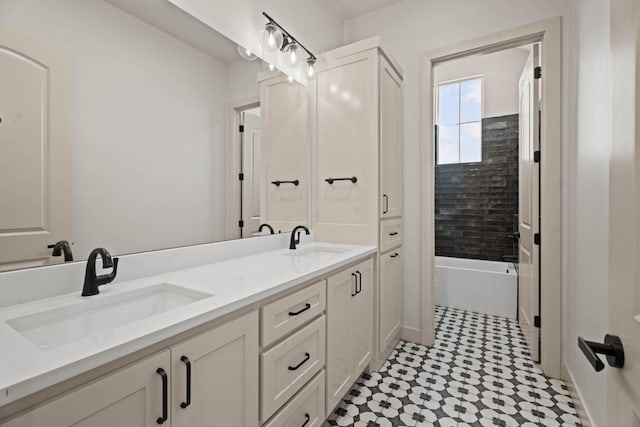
[(62, 247), (91, 281), (296, 241)]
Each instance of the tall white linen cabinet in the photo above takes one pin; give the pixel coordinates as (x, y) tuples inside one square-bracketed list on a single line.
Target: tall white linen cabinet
[(357, 170)]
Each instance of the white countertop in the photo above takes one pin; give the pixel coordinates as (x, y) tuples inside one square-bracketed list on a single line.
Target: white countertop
[(236, 283)]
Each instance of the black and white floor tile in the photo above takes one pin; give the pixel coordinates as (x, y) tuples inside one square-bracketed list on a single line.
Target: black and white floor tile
[(478, 373)]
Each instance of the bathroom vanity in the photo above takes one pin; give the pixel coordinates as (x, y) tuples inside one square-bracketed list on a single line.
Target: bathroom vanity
[(261, 339)]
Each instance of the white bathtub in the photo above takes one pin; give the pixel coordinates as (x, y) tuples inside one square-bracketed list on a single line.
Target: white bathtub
[(487, 287)]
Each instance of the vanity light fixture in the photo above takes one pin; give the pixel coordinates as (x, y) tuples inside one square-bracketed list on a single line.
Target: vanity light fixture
[(310, 67), (275, 35), (271, 37)]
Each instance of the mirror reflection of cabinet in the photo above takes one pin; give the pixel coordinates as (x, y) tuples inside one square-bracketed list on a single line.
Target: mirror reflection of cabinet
[(145, 118), (285, 152)]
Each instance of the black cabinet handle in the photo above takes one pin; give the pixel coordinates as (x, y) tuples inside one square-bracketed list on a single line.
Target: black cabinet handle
[(356, 284), (307, 418), (165, 396), (386, 203), (307, 306), (612, 348), (307, 356), (294, 182), (359, 282), (393, 233), (395, 254), (353, 179), (187, 362)]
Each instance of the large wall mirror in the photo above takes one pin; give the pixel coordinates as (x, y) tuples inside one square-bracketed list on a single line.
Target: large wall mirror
[(120, 128)]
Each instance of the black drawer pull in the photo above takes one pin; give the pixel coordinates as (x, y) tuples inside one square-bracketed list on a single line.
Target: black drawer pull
[(395, 254), (307, 356), (386, 204), (165, 396), (393, 233), (332, 180), (307, 306), (187, 362), (356, 284), (359, 282), (294, 182), (308, 418)]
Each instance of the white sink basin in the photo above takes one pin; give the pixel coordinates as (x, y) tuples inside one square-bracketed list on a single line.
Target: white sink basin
[(316, 252), (92, 316)]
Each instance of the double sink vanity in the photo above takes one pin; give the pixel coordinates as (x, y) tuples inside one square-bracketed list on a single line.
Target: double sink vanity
[(271, 338)]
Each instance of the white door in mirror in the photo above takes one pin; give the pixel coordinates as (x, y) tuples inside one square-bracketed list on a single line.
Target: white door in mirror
[(34, 177)]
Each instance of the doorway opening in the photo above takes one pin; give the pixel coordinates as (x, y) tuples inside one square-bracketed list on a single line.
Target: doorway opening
[(486, 181), (245, 170), (544, 269)]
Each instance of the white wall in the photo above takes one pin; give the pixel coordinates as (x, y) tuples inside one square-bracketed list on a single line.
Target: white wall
[(149, 126), (587, 151), (501, 74), (409, 28)]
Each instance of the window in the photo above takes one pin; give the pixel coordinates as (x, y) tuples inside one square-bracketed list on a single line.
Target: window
[(459, 121)]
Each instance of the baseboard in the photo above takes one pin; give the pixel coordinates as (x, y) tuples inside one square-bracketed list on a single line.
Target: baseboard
[(410, 334), (576, 396)]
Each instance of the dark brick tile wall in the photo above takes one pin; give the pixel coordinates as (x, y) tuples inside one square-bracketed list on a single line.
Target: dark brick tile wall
[(477, 203)]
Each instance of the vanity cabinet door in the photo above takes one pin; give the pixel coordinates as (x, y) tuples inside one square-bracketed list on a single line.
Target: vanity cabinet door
[(363, 317), (132, 397), (390, 141), (223, 365), (340, 289), (390, 297)]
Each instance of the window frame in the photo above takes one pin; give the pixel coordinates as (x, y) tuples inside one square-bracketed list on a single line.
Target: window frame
[(436, 119)]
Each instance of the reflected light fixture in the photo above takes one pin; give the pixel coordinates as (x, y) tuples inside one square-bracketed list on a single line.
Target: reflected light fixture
[(246, 54), (274, 35)]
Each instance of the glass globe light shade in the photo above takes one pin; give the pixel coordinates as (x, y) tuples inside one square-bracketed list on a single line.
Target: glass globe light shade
[(246, 53), (292, 54), (271, 38)]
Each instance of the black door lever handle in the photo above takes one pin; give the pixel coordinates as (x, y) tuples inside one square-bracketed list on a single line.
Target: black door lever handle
[(612, 348)]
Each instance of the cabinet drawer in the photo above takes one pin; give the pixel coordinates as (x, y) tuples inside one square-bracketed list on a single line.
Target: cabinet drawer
[(291, 364), (306, 408), (287, 314), (390, 234)]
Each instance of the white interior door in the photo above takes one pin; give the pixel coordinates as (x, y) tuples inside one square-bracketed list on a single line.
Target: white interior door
[(35, 154), (624, 215), (252, 169), (528, 205)]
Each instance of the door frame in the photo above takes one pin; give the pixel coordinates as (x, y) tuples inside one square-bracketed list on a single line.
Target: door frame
[(548, 34), (233, 162)]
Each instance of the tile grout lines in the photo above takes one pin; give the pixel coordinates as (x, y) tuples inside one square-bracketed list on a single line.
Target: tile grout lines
[(478, 373)]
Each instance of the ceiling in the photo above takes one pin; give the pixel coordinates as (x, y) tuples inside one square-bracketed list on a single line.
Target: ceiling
[(171, 19), (347, 9)]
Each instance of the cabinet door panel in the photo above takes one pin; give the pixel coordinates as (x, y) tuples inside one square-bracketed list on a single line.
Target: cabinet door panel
[(224, 376), (363, 317), (345, 147), (390, 297), (339, 336), (130, 397), (285, 151), (390, 141)]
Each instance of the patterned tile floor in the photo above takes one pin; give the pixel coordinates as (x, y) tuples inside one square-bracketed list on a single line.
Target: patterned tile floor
[(478, 373)]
